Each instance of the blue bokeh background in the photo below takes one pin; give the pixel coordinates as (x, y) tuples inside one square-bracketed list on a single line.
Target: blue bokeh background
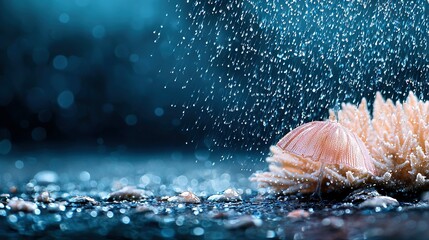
[(153, 74), (88, 72)]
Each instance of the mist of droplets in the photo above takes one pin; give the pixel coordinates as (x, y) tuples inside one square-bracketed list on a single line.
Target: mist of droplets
[(256, 69)]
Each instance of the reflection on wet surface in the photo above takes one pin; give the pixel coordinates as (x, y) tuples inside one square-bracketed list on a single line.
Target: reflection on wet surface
[(128, 196)]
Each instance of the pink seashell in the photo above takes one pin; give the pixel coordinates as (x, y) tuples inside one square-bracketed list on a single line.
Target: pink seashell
[(328, 142)]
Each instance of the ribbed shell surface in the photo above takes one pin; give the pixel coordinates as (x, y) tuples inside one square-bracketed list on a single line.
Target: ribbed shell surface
[(328, 142)]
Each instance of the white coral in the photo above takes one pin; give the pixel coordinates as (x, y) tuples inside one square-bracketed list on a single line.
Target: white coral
[(396, 136)]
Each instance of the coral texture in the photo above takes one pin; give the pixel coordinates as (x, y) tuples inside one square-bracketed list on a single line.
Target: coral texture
[(290, 174), (396, 137)]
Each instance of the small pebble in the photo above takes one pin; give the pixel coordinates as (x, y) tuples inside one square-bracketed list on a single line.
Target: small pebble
[(243, 222), (229, 195), (83, 200), (19, 205), (4, 198), (127, 194), (298, 214), (360, 195), (379, 201), (222, 214), (185, 197), (44, 197)]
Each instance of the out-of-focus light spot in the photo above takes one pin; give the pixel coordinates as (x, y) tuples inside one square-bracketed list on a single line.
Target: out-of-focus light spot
[(38, 134), (159, 112), (65, 99), (13, 218), (84, 176), (131, 119), (181, 180), (198, 231), (64, 18), (19, 164), (145, 180), (60, 62), (134, 58), (5, 146), (100, 141), (98, 32), (126, 220), (270, 234), (40, 56), (46, 176)]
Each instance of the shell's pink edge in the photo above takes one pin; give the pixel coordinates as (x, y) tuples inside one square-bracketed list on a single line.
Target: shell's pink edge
[(328, 142)]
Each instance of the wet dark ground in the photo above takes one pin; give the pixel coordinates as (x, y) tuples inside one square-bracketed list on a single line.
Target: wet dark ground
[(66, 176)]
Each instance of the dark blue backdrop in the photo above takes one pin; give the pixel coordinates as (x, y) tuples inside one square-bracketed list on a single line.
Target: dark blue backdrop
[(156, 73)]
